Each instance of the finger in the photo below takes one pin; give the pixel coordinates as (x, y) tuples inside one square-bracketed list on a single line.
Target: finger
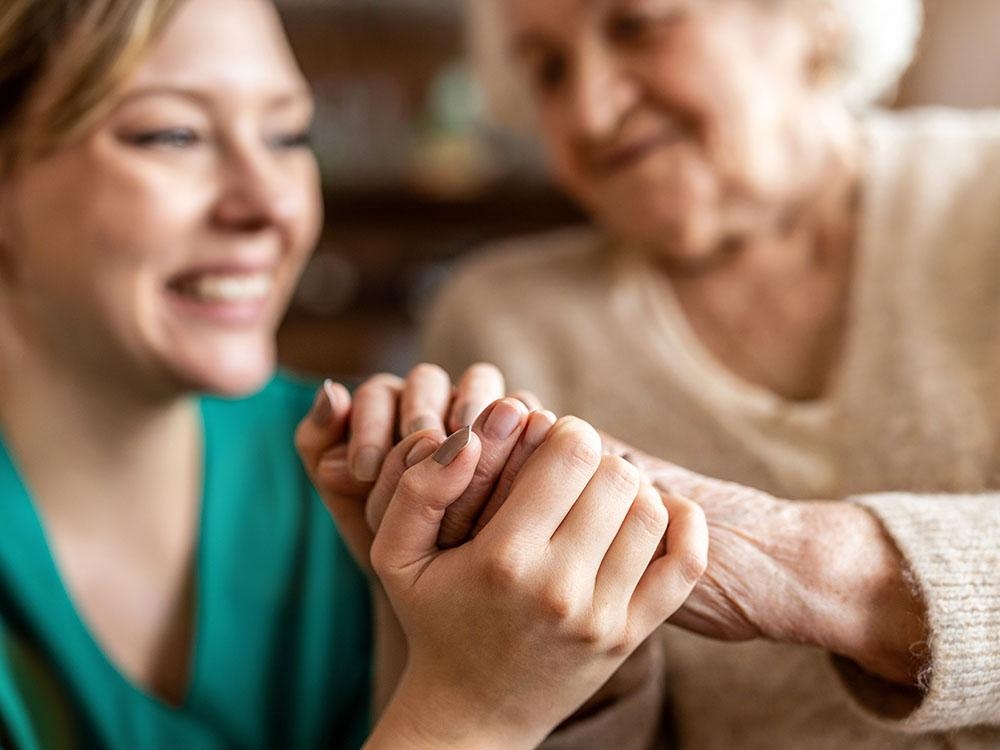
[(373, 422), (425, 400), (538, 426), (630, 553), (407, 538), (529, 399), (409, 452), (669, 580), (480, 386), (324, 425), (596, 518), (498, 428), (344, 497), (549, 484)]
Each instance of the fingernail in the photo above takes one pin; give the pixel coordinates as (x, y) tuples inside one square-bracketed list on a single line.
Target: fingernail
[(454, 445), (467, 415), (322, 409), (539, 426), (502, 421), (367, 463), (419, 452), (423, 422)]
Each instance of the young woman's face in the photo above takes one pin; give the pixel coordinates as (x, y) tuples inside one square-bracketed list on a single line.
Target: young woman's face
[(163, 247), (676, 122)]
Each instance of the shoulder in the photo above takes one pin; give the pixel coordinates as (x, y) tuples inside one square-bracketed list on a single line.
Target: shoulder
[(933, 188), (517, 278), (536, 260), (936, 160)]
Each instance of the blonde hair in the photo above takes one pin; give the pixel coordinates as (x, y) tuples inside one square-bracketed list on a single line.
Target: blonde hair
[(879, 43), (60, 63)]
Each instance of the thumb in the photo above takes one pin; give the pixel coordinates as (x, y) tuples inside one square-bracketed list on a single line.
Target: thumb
[(407, 539)]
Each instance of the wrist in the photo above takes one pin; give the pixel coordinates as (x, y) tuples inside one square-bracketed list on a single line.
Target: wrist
[(419, 717), (858, 600)]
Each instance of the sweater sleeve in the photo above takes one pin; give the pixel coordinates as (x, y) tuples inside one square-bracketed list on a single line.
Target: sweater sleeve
[(952, 547)]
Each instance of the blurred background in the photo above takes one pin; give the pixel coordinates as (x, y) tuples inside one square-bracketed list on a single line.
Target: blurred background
[(415, 176)]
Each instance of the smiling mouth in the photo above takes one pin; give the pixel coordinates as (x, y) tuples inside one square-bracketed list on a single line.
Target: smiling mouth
[(225, 288), (624, 156)]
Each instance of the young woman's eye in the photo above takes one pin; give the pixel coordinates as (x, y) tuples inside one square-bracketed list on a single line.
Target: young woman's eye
[(292, 141), (166, 138)]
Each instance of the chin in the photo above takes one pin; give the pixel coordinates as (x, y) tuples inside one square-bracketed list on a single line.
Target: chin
[(231, 374)]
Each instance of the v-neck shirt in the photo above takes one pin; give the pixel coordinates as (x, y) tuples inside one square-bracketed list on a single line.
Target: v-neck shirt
[(282, 641)]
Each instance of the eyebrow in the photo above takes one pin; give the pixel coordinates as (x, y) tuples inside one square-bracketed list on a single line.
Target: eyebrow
[(297, 95)]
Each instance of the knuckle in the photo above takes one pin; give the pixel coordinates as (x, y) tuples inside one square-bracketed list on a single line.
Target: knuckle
[(484, 370), (384, 381), (301, 439), (650, 513), (582, 441), (624, 479), (601, 630), (558, 602), (693, 564), (506, 568), (428, 371)]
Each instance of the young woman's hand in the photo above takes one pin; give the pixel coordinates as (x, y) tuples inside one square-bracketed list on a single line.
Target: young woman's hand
[(514, 629), (344, 442)]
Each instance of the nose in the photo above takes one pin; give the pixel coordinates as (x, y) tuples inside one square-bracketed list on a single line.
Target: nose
[(603, 92), (255, 194)]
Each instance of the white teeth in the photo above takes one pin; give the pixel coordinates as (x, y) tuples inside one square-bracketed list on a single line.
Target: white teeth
[(230, 288)]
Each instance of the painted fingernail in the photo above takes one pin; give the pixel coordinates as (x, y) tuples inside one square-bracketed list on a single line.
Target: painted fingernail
[(454, 445), (419, 452), (322, 409), (539, 426), (423, 422), (367, 463), (502, 422), (467, 415)]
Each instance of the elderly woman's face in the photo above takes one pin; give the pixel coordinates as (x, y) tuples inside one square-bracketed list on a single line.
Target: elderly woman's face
[(677, 122), (163, 247)]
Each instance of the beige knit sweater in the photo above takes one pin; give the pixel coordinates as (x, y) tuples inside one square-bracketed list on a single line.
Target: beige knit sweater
[(910, 429)]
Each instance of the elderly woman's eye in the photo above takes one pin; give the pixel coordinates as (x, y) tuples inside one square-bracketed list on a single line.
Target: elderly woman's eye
[(625, 28), (549, 72)]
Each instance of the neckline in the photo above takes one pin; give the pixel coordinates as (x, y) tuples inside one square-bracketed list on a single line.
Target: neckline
[(43, 588), (646, 298)]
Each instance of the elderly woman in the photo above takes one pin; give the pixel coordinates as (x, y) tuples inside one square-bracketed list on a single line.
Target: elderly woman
[(788, 292)]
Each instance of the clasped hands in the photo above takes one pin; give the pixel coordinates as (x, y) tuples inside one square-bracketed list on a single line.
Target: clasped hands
[(537, 541), (523, 564)]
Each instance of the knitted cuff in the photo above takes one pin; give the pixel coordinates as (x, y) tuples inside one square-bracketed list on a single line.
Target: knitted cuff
[(952, 547)]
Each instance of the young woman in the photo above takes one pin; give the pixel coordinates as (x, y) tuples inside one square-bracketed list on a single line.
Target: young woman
[(167, 576)]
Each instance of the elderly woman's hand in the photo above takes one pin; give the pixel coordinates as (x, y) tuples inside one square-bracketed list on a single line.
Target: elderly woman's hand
[(817, 573)]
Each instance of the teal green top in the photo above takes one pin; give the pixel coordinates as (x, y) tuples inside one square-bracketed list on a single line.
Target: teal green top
[(282, 645)]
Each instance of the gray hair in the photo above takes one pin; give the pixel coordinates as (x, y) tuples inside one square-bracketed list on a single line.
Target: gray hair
[(880, 42)]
